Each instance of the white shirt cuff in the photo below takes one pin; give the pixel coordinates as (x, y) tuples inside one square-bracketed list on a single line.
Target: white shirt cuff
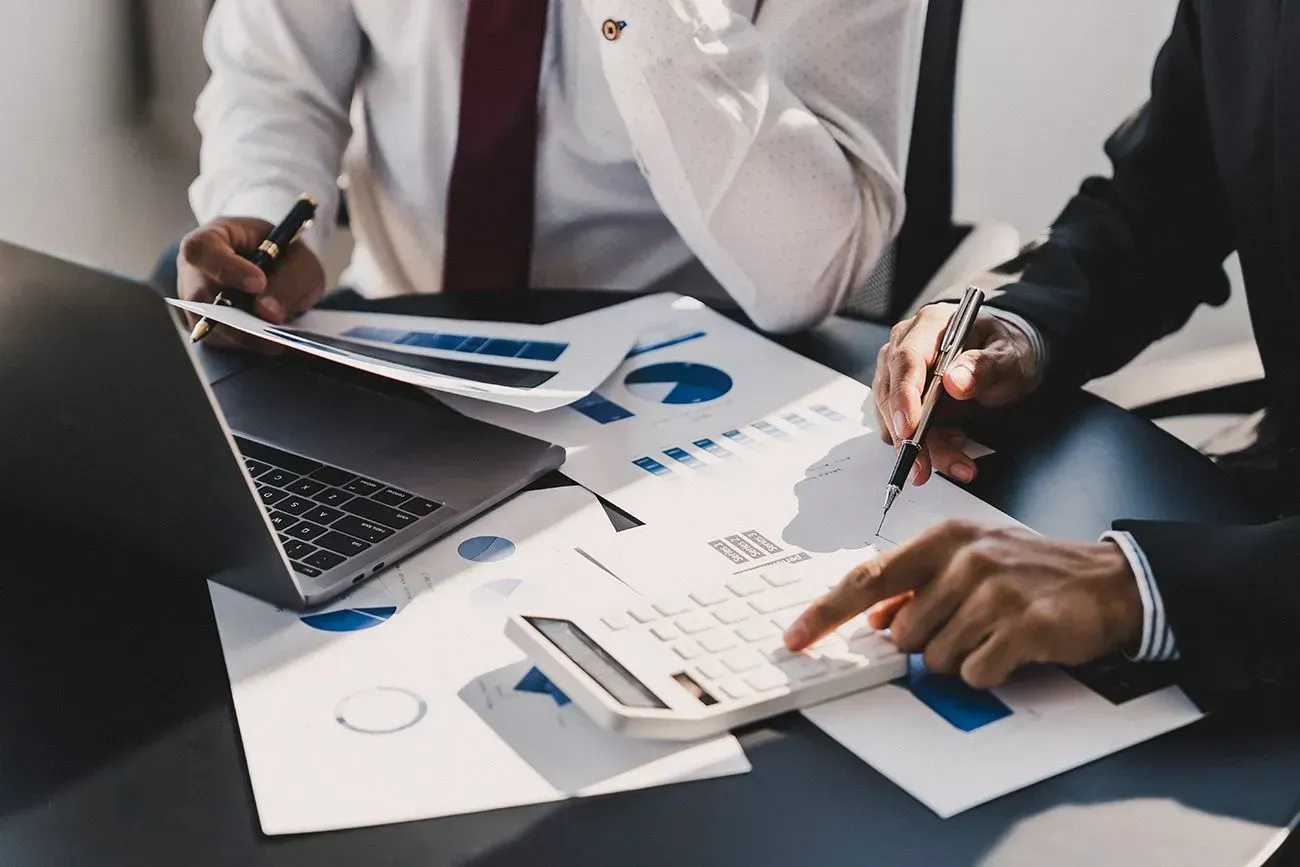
[(1157, 643), (1036, 343)]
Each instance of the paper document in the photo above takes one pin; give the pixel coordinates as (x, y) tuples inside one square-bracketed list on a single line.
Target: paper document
[(405, 700), (528, 367)]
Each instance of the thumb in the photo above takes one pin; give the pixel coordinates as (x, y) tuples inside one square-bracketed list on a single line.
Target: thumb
[(983, 374)]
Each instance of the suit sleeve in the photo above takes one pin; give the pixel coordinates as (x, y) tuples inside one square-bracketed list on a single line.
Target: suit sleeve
[(1133, 255), (1231, 595)]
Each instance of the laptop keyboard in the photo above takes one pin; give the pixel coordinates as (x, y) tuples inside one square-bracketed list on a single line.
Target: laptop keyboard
[(326, 515)]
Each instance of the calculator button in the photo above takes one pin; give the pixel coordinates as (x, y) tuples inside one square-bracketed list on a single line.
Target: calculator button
[(872, 645), (644, 615), (717, 641), (735, 689), (693, 622), (785, 619), (673, 607), (855, 628), (617, 621), (711, 596), (781, 577), (786, 597), (756, 630), (711, 669), (666, 632), (733, 612), (742, 660), (767, 678), (746, 585), (687, 649), (802, 667)]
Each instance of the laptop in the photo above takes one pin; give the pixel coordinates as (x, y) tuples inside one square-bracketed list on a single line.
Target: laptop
[(284, 478)]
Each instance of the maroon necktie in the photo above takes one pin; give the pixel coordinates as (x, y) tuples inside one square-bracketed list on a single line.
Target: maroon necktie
[(490, 199)]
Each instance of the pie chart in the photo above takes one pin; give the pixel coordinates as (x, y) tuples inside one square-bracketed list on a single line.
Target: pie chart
[(349, 619), (486, 549), (678, 383)]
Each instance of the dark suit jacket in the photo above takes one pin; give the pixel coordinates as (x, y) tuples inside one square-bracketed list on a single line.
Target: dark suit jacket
[(1210, 165)]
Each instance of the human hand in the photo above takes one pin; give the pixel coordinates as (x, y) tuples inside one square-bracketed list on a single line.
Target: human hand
[(997, 369), (210, 261), (981, 602)]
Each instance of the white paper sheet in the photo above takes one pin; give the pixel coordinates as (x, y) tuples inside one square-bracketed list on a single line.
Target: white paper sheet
[(411, 709), (528, 367)]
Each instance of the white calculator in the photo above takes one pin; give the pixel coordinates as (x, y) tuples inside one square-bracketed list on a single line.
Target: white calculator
[(702, 663)]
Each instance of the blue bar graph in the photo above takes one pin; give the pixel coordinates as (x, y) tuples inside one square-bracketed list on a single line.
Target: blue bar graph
[(713, 448), (738, 437), (771, 430), (467, 343), (601, 410), (827, 412), (650, 465), (962, 706), (684, 457)]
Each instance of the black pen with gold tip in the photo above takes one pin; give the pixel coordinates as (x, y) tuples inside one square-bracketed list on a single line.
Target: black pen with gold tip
[(954, 340), (266, 257)]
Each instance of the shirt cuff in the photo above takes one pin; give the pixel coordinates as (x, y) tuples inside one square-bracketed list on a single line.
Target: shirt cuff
[(1036, 343), (273, 203), (1157, 643)]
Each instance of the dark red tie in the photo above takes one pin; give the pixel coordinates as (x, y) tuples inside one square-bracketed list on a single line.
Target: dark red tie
[(490, 200)]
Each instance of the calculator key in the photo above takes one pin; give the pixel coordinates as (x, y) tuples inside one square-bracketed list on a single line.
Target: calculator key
[(800, 667), (644, 615), (735, 689), (693, 622), (665, 632), (711, 596), (767, 679), (746, 585), (855, 628), (711, 669), (323, 515), (687, 649), (391, 497), (742, 660), (324, 560), (733, 612), (364, 530), (305, 487), (786, 597), (341, 544), (781, 577), (785, 619), (294, 505), (672, 607), (718, 641), (872, 645), (757, 630), (420, 506), (362, 486), (617, 621)]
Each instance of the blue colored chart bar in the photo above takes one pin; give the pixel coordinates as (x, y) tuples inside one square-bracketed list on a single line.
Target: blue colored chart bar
[(713, 448), (798, 421), (650, 465), (964, 707), (739, 437), (771, 430), (601, 410), (684, 457)]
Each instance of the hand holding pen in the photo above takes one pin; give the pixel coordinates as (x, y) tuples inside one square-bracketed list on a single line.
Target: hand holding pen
[(996, 367), (252, 265)]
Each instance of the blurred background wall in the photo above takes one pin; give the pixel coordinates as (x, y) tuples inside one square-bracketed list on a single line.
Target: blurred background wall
[(97, 145)]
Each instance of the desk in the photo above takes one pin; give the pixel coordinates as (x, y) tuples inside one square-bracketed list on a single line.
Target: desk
[(119, 746)]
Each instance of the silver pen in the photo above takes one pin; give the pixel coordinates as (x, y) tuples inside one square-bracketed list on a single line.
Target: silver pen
[(954, 341)]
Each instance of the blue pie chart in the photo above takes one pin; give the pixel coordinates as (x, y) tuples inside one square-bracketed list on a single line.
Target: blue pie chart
[(349, 619), (486, 549), (678, 383)]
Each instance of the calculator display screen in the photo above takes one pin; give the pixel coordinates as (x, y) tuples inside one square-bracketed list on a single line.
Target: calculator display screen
[(597, 663)]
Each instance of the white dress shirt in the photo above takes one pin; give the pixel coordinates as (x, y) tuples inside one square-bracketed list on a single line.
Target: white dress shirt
[(760, 138)]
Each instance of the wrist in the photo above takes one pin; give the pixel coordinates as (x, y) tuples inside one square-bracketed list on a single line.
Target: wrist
[(1120, 598)]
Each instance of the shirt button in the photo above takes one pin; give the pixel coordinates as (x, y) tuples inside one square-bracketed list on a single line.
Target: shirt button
[(612, 29)]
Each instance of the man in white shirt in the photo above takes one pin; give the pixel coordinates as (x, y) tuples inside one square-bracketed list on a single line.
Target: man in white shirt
[(599, 144)]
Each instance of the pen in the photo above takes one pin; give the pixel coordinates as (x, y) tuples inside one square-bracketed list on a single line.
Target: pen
[(265, 257), (954, 338)]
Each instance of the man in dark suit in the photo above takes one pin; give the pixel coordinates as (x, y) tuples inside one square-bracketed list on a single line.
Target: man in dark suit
[(1210, 165)]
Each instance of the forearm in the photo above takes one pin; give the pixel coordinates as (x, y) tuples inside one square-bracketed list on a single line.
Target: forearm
[(274, 114), (772, 146)]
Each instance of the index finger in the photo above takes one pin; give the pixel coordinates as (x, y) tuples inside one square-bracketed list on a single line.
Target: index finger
[(910, 364), (907, 567)]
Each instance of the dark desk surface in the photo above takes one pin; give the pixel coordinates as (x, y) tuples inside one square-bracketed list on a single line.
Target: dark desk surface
[(119, 746)]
